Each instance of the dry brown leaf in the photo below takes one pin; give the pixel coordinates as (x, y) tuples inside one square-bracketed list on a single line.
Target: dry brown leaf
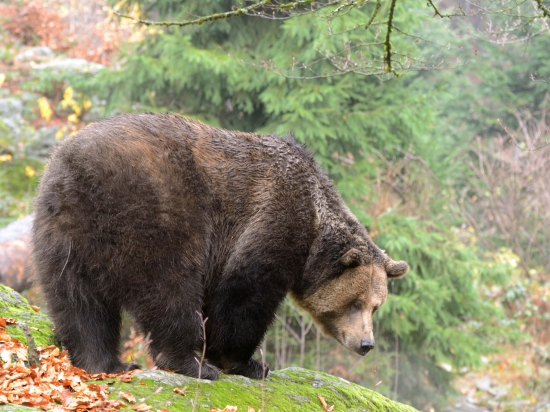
[(251, 409), (142, 383), (163, 410), (181, 391), (126, 377), (128, 396), (54, 383), (141, 407), (230, 408), (35, 308), (66, 397), (324, 403)]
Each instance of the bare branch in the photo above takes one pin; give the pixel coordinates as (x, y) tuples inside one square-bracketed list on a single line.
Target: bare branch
[(387, 42), (448, 16), (219, 16), (543, 8)]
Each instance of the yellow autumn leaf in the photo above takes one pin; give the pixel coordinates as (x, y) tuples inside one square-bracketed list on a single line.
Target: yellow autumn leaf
[(29, 171), (5, 157), (73, 118), (46, 111), (68, 93)]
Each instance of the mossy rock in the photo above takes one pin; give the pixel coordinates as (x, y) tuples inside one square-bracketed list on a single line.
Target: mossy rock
[(291, 389), (13, 305)]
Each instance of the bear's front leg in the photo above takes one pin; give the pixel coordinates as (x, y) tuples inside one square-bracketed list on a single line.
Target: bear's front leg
[(240, 312), (173, 328)]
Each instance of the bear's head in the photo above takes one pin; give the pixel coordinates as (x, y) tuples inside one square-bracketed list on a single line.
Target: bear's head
[(344, 306)]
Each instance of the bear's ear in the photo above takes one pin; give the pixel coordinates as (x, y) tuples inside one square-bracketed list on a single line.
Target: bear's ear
[(396, 270), (351, 259)]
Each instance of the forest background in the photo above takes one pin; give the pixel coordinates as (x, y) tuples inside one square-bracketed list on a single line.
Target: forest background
[(443, 158)]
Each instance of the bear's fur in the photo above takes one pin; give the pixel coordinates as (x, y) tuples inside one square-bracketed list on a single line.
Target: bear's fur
[(167, 218)]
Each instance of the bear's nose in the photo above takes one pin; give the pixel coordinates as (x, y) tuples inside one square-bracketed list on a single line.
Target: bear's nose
[(366, 345)]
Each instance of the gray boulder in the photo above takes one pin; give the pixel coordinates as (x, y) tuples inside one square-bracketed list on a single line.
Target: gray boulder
[(70, 65), (43, 142), (11, 119), (15, 250), (39, 53)]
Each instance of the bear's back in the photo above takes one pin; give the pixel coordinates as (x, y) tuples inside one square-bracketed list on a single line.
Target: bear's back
[(124, 186)]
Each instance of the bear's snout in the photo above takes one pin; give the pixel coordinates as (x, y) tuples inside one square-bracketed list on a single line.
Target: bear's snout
[(366, 346)]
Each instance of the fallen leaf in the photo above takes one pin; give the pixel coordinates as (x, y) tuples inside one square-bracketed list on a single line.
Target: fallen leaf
[(128, 396), (251, 409), (35, 308), (228, 408), (66, 397), (324, 403), (141, 407), (180, 391), (125, 377), (142, 383)]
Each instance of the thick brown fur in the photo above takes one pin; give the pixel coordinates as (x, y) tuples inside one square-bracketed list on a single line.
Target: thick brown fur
[(166, 217)]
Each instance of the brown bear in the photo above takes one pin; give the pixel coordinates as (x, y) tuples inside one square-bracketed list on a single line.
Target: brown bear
[(168, 218)]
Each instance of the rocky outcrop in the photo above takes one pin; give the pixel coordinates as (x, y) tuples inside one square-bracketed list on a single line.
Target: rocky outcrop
[(291, 389), (11, 119), (15, 253)]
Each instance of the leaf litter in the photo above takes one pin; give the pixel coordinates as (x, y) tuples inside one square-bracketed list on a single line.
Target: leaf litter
[(54, 383)]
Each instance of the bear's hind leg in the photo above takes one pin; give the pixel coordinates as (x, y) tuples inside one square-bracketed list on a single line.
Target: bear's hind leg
[(90, 330)]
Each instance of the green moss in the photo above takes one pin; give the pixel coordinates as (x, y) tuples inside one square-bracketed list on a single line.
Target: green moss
[(13, 305), (286, 390), (17, 408), (290, 389)]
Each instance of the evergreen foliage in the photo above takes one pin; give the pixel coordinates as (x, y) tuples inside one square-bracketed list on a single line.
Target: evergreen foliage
[(398, 151), (375, 139)]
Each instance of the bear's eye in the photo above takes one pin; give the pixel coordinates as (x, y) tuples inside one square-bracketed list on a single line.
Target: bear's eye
[(356, 305)]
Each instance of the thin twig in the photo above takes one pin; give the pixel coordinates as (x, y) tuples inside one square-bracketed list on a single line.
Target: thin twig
[(396, 382), (374, 13), (448, 16), (263, 379), (203, 323)]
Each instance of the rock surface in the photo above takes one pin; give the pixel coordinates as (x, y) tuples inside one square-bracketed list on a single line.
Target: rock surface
[(11, 118), (291, 389), (69, 65), (13, 305), (38, 53), (15, 253)]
